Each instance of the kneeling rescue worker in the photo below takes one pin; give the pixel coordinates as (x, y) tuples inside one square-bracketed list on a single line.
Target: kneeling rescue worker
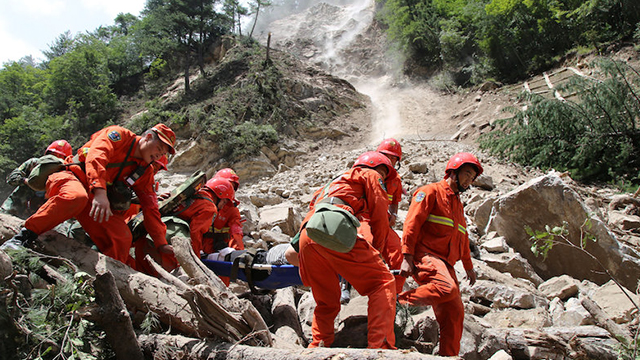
[(118, 160)]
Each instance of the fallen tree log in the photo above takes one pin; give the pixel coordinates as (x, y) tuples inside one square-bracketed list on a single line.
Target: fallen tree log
[(209, 286), (115, 319), (173, 305), (196, 349), (601, 318)]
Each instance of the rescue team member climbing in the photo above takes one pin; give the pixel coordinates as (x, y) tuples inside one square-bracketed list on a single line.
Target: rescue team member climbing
[(358, 190), (434, 239), (390, 246), (226, 229), (24, 201), (113, 154)]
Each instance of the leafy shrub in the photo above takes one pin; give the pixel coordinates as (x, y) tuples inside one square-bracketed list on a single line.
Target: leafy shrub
[(596, 136), (45, 323)]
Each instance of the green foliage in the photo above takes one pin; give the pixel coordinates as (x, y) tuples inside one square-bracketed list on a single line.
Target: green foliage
[(49, 324), (514, 37), (595, 137)]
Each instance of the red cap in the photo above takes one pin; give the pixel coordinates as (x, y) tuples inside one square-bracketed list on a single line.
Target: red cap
[(166, 135)]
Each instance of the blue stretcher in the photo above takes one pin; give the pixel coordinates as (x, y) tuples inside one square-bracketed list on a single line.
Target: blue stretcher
[(264, 276)]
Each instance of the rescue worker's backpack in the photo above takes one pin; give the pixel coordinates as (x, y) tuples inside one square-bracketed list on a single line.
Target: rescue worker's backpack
[(333, 227), (47, 165)]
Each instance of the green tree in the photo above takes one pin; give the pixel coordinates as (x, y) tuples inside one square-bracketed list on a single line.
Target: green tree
[(596, 136), (234, 11), (20, 85), (185, 27), (79, 86), (60, 46), (255, 10)]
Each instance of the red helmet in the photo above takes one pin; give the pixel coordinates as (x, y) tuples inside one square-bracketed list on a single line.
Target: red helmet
[(390, 147), (222, 188), (373, 159), (60, 148), (460, 159), (229, 174)]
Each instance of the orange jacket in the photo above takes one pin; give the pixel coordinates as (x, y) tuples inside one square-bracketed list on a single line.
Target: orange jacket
[(229, 221), (364, 190), (110, 146), (435, 225), (199, 214), (394, 189)]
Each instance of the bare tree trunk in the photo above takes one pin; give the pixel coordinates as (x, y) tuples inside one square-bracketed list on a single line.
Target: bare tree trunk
[(603, 320), (256, 19), (207, 282), (195, 349), (204, 310), (115, 319), (187, 89)]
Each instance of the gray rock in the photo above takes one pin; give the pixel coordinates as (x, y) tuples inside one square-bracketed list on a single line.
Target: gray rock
[(562, 287), (547, 201)]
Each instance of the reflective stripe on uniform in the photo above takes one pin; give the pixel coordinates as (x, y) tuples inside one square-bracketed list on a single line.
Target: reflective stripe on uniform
[(223, 230), (390, 196), (442, 220)]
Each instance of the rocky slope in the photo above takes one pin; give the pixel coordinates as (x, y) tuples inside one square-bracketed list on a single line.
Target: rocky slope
[(523, 306)]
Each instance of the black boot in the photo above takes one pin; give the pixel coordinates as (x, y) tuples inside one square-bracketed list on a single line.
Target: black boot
[(19, 240)]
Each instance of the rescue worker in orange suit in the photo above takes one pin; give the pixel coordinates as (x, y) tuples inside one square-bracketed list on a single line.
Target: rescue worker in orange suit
[(24, 201), (226, 229), (199, 211), (135, 207), (389, 247), (113, 154), (434, 239), (358, 190)]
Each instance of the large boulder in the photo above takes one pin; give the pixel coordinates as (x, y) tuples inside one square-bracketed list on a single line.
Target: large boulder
[(547, 200), (285, 216)]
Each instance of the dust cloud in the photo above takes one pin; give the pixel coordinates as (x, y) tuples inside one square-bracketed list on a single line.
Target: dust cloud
[(344, 39)]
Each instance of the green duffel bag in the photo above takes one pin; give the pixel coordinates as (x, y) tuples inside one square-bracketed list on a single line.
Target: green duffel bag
[(333, 227)]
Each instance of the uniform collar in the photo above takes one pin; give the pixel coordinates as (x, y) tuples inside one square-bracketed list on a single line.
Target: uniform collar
[(448, 188)]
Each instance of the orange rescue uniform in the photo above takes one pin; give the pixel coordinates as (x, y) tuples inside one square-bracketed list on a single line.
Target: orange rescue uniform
[(199, 214), (389, 247), (226, 227), (69, 194), (435, 233), (320, 268)]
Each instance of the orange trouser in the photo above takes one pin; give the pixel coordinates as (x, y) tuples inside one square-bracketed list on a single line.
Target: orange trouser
[(391, 250), (392, 254), (439, 288), (320, 268), (68, 198)]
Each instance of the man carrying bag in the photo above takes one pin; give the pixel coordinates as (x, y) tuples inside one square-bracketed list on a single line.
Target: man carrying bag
[(330, 248)]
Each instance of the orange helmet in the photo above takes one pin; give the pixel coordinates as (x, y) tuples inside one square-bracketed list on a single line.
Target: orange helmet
[(222, 188), (60, 148), (390, 147), (460, 159), (229, 174), (373, 159)]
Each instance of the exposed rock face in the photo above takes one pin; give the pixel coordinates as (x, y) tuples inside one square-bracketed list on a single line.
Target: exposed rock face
[(549, 201)]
